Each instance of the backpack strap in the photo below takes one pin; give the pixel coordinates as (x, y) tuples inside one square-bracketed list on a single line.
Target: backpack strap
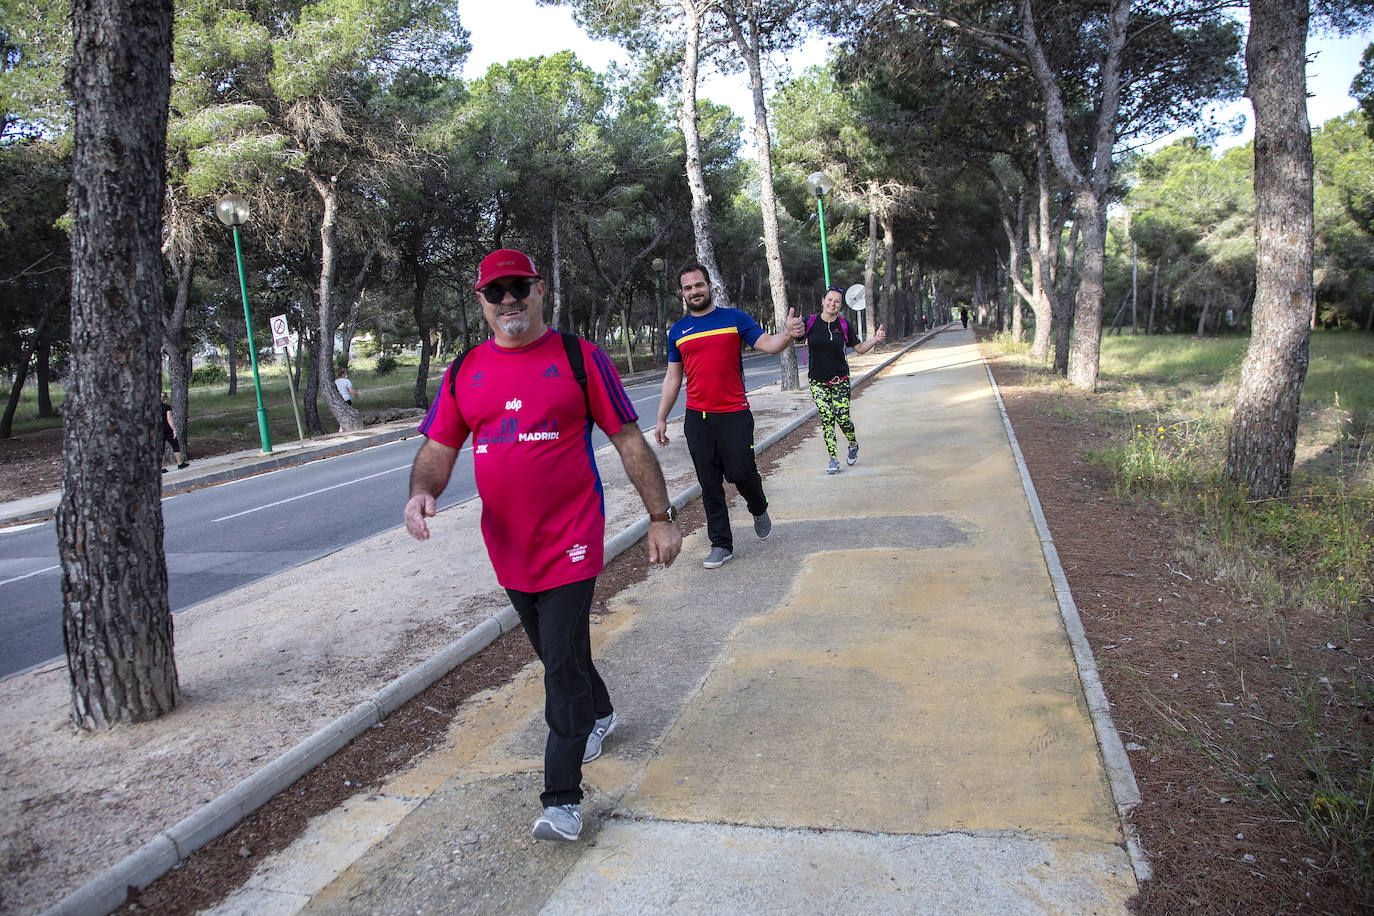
[(810, 320), (844, 329), (573, 347), (453, 368)]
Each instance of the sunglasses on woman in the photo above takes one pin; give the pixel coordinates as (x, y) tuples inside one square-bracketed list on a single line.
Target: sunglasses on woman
[(519, 289)]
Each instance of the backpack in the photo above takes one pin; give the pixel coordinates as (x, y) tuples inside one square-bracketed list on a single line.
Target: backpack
[(571, 346), (844, 328)]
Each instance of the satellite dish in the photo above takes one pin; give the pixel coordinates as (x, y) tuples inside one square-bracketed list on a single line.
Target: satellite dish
[(854, 297)]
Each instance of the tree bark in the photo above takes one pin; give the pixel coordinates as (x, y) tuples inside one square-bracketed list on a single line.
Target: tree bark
[(696, 178), (181, 262), (557, 269), (1090, 189), (1264, 426), (116, 621), (1045, 249), (417, 304), (349, 418), (748, 44)]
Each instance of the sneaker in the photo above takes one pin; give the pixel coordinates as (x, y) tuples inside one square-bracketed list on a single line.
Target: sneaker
[(559, 822), (833, 467), (763, 525), (600, 730), (184, 464), (853, 454), (716, 558)]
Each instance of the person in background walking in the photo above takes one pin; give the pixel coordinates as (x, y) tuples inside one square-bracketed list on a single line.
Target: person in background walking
[(963, 316), (529, 397), (719, 427), (169, 437), (827, 334)]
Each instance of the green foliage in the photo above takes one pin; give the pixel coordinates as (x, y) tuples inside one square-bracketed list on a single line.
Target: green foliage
[(208, 375), (386, 364)]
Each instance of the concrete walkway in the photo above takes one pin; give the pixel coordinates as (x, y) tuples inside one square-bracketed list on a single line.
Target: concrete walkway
[(876, 710)]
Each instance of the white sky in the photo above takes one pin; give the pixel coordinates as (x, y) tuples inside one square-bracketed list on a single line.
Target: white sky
[(549, 29)]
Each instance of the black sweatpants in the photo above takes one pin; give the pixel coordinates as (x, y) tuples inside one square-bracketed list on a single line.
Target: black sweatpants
[(558, 625), (722, 447)]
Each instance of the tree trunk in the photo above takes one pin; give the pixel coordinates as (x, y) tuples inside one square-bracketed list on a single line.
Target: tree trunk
[(116, 621), (1135, 286), (231, 335), (748, 45), (1264, 426), (182, 264), (696, 179), (1089, 189), (310, 404), (871, 260), (349, 419), (21, 373), (557, 268), (1045, 249), (417, 304), (42, 373), (1154, 292), (888, 303)]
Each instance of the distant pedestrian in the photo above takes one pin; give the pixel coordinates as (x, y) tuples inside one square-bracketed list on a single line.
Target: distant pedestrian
[(529, 397), (827, 334), (169, 437), (346, 389), (719, 427), (963, 316)]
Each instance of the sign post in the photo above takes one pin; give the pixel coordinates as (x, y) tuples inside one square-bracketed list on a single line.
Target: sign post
[(281, 337)]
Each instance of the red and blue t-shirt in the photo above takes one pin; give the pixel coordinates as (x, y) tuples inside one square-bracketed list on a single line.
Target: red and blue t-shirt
[(708, 346), (543, 515)]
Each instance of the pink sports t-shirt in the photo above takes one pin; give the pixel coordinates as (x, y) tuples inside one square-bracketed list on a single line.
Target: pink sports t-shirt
[(543, 515)]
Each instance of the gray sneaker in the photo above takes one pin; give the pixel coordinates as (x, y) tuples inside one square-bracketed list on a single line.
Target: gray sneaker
[(600, 730), (853, 454), (716, 558), (560, 822), (833, 467), (763, 525)]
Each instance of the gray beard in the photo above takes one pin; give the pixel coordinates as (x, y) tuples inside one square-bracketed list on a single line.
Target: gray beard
[(514, 325)]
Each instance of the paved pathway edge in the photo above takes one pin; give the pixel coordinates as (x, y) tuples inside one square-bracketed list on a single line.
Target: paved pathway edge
[(1120, 775)]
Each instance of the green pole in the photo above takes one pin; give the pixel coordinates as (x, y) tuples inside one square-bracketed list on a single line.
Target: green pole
[(825, 260), (252, 351)]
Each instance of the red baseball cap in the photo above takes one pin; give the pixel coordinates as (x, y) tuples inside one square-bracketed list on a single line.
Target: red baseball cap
[(505, 262)]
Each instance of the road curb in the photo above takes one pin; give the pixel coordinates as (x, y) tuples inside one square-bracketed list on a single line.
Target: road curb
[(109, 890), (1120, 775)]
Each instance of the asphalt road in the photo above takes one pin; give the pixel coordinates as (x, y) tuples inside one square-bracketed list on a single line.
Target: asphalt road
[(221, 537)]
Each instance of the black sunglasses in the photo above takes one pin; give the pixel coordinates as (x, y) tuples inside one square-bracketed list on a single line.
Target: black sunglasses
[(519, 288)]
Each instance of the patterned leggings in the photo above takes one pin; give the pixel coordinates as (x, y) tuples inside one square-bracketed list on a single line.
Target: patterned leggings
[(832, 401)]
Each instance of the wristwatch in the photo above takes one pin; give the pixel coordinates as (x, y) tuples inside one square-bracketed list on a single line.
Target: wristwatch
[(668, 516)]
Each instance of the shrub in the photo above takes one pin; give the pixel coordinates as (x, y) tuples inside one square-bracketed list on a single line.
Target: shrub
[(209, 375), (386, 364)]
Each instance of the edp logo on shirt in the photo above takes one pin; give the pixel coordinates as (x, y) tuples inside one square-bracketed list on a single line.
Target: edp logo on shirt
[(514, 404)]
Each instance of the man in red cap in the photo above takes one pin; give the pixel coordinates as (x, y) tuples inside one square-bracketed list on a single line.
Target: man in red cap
[(529, 397)]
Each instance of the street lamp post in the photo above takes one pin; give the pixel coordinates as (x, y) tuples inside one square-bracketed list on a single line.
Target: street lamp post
[(232, 210), (820, 184), (658, 266)]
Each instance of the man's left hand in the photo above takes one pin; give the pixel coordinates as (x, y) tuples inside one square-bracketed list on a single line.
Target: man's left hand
[(665, 541)]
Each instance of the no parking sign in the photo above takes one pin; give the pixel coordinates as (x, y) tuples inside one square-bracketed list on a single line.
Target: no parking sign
[(281, 334)]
